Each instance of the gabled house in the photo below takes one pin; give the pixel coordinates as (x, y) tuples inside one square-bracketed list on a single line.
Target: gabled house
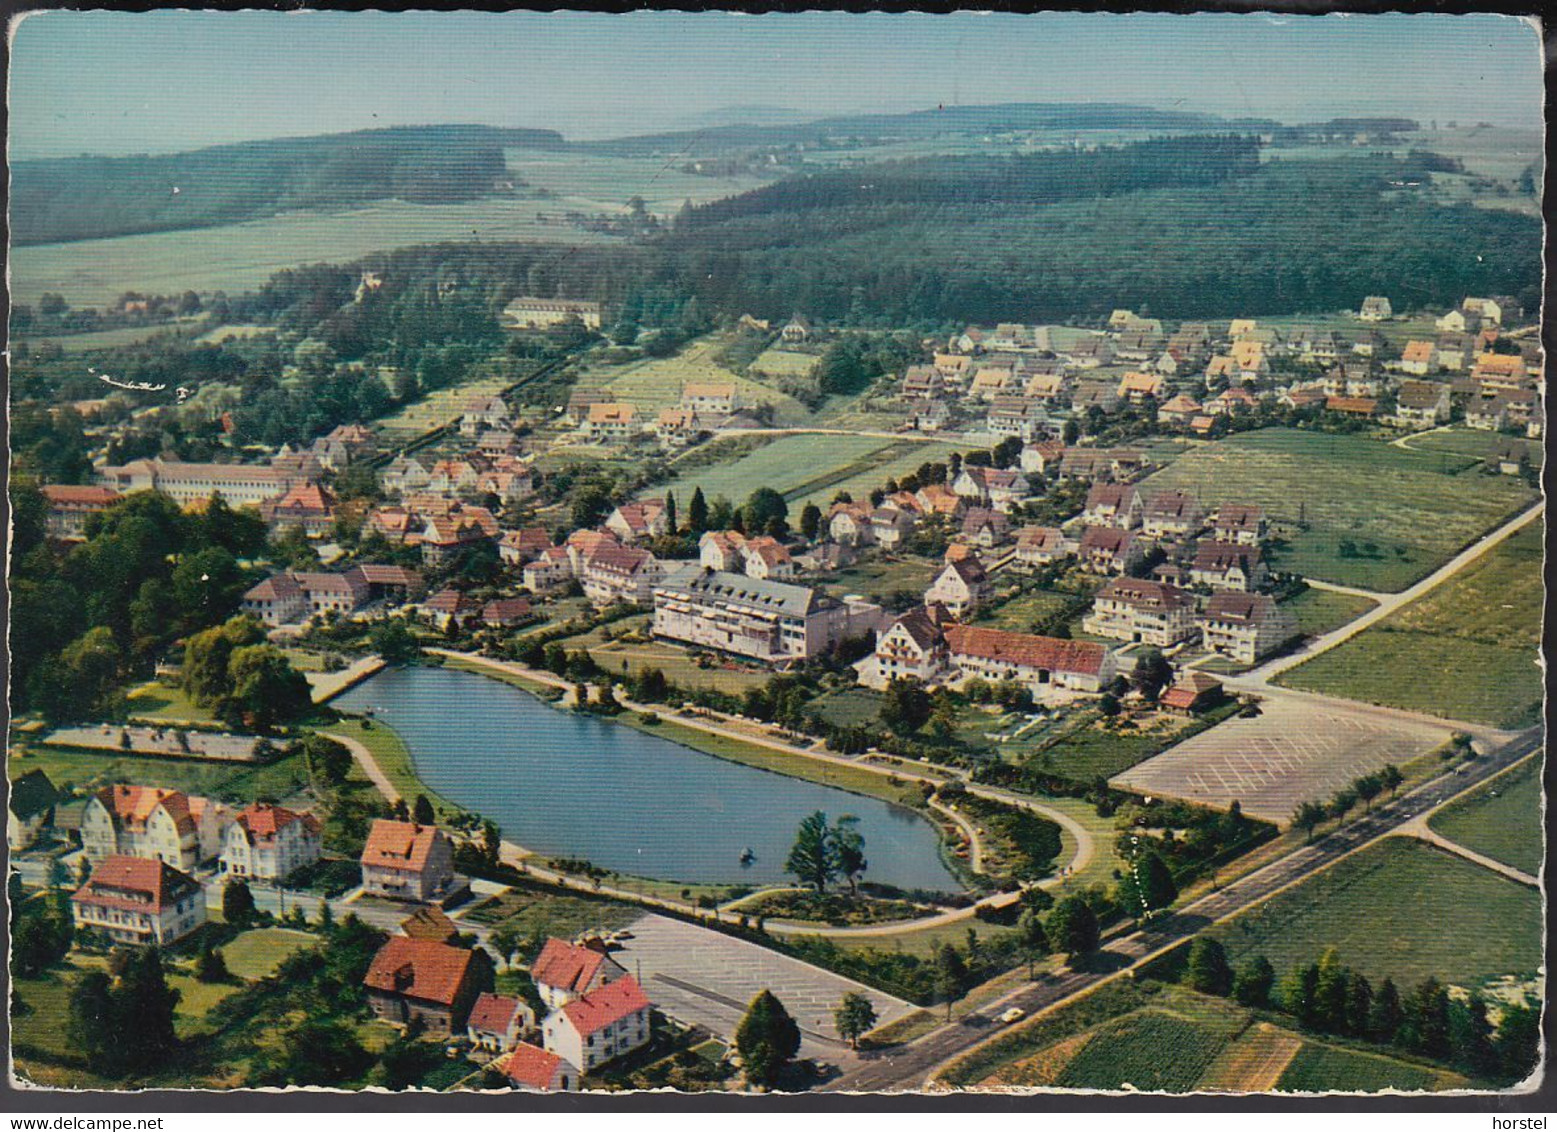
[(990, 381), (938, 499), (764, 557), (276, 601), (849, 524), (999, 488), (1021, 417), (961, 587), (1135, 609), (534, 1069), (1041, 457), (890, 525), (407, 861), (307, 506), (1040, 663), (1040, 546), (139, 901), (420, 979), (709, 398), (496, 1021), (910, 647), (1421, 404), (1109, 550), (721, 550), (449, 606), (1228, 566), (1113, 505), (1171, 514), (1136, 387), (149, 821), (31, 809), (1375, 308), (552, 569), (600, 1026), (615, 574), (1191, 694), (638, 522), (527, 544), (269, 842), (1246, 627), (985, 528), (1178, 410), (677, 427), (1419, 357), (923, 383), (429, 922), (505, 612), (1242, 524), (611, 422), (566, 971), (70, 506)]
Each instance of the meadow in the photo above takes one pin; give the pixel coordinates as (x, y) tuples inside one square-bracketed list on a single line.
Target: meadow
[(440, 407), (1501, 819), (1474, 442), (893, 461), (785, 464), (1360, 513), (1384, 909), (1318, 611), (655, 384), (88, 770), (1469, 645), (606, 182), (783, 363)]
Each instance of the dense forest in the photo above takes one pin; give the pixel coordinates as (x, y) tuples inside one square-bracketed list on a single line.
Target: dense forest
[(80, 198)]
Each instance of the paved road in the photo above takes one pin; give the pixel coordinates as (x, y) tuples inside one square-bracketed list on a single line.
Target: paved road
[(909, 1066)]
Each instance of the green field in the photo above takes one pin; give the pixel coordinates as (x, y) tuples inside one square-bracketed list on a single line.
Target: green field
[(1319, 1069), (1025, 611), (439, 407), (783, 363), (877, 577), (1465, 650), (1474, 442), (1404, 513), (551, 913), (1501, 819), (786, 464), (1401, 910), (893, 461), (605, 182), (1090, 750), (103, 339), (241, 257), (256, 954), (655, 384), (70, 767), (1151, 1050), (1319, 611)]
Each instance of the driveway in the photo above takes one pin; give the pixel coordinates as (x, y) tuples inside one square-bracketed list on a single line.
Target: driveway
[(706, 978)]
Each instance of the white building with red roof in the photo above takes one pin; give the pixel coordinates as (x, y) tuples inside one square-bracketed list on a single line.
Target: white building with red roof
[(139, 900), (564, 971), (615, 574), (270, 843), (531, 1067), (70, 505), (1040, 663), (600, 1026), (497, 1020), (149, 821), (406, 861)]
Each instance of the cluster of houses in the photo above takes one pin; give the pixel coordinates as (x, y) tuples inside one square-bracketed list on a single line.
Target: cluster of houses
[(704, 406)]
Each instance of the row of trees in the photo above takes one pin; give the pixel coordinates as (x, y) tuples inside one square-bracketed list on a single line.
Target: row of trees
[(1309, 816)]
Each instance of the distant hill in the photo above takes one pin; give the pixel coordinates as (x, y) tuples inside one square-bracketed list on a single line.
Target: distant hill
[(82, 198), (937, 122), (741, 116)]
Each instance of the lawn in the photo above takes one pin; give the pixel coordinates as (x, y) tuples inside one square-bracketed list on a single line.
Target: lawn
[(783, 363), (1319, 611), (786, 464), (1351, 510), (156, 700), (70, 767), (656, 383), (439, 407), (1027, 612), (1474, 442), (394, 759), (629, 657), (879, 576), (1401, 910), (1501, 819), (1465, 650), (256, 954), (1091, 750), (531, 912)]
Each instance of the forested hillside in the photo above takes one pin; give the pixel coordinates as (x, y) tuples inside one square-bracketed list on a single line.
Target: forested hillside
[(1289, 236), (80, 198)]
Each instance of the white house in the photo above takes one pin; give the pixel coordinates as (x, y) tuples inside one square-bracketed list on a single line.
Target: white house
[(149, 821), (1246, 627), (961, 587), (911, 647), (1135, 609), (565, 971), (600, 1026), (496, 1021), (138, 900), (268, 842)]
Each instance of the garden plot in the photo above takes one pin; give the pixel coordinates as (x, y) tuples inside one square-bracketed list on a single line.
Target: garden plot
[(1294, 751)]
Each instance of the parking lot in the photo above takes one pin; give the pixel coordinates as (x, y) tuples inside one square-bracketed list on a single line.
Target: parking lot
[(706, 978), (1297, 750)]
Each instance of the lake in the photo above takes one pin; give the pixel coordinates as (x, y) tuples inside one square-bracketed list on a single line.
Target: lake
[(569, 785)]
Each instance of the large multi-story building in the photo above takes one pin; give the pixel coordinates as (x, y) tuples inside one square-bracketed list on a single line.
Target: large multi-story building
[(138, 900), (149, 821), (240, 485), (268, 842), (531, 312), (1037, 662), (1135, 609), (600, 1026), (406, 861), (769, 621), (1246, 627)]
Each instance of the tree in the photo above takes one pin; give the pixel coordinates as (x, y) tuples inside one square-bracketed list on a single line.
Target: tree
[(1385, 1016), (40, 937), (266, 689), (394, 642), (1254, 981), (319, 1052), (1297, 993), (1209, 972), (1034, 940), (1330, 992), (813, 858), (905, 705), (854, 1018), (422, 812), (1359, 1004), (1073, 927), (505, 941), (1152, 674), (1307, 817), (1425, 1026), (697, 512), (767, 1039), (951, 976), (670, 512), (1391, 778), (849, 850), (1108, 705), (211, 966), (143, 1006), (590, 505), (238, 907), (1470, 1037), (811, 521), (1518, 1041), (1341, 805), (763, 506), (90, 1023), (328, 761), (1149, 883), (1368, 787)]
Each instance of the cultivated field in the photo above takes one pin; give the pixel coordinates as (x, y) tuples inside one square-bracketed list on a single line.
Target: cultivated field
[(787, 465), (439, 407), (656, 383), (605, 183), (1294, 751), (240, 257), (1465, 650), (104, 339), (783, 363), (1502, 819), (1402, 910), (1319, 611), (1474, 442), (1360, 513), (895, 460)]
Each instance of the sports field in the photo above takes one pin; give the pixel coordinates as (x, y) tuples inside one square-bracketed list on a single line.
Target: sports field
[(1353, 511), (1399, 909), (1465, 650), (1502, 819), (1293, 752)]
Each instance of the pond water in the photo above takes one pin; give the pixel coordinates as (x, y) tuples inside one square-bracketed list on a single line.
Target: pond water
[(569, 785)]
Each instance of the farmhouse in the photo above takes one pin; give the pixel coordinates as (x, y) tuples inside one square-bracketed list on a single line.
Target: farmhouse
[(530, 312), (1038, 662), (961, 587), (773, 622), (149, 821), (405, 861), (1228, 566), (1246, 627), (433, 982), (268, 842), (600, 1026), (139, 901), (1134, 609), (70, 506)]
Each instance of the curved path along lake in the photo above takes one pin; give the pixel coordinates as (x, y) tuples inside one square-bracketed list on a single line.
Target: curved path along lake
[(569, 785)]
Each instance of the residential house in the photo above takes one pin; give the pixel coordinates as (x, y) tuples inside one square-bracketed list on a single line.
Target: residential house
[(774, 622), (483, 412), (1039, 458), (276, 601), (564, 971), (506, 612), (407, 861), (611, 422), (1246, 627), (1011, 336), (1100, 395), (270, 843), (1178, 410), (1455, 350), (849, 524), (449, 606), (581, 399), (581, 544), (709, 398), (1352, 406), (600, 1026), (418, 979), (537, 1070), (923, 383), (721, 550), (990, 381), (956, 369), (985, 528), (1046, 387), (938, 499), (796, 330), (677, 427), (1232, 399), (1090, 352), (1109, 550), (1486, 411), (1113, 505), (1191, 693), (150, 821), (1022, 417), (1497, 310), (930, 416), (445, 536), (1419, 357), (551, 570), (961, 587), (428, 922), (1496, 373), (30, 811), (1458, 322), (1137, 343), (1040, 663), (1135, 609), (139, 901), (340, 594), (1242, 524), (498, 442), (889, 525), (516, 548), (1041, 546), (911, 647), (638, 522), (999, 488), (615, 574), (496, 1021), (1171, 514), (70, 505), (1136, 387), (1228, 566), (1375, 308), (767, 559), (1421, 404)]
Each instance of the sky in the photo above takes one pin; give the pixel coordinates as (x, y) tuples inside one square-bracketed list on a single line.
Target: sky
[(122, 82)]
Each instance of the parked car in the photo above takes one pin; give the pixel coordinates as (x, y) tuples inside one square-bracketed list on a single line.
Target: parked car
[(1015, 1014)]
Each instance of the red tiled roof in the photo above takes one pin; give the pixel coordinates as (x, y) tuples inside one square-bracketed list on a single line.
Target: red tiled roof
[(531, 1067), (565, 966), (72, 495), (611, 1003), (493, 1013), (419, 968), (1026, 650), (429, 923), (399, 844), (160, 882), (263, 821), (133, 805)]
